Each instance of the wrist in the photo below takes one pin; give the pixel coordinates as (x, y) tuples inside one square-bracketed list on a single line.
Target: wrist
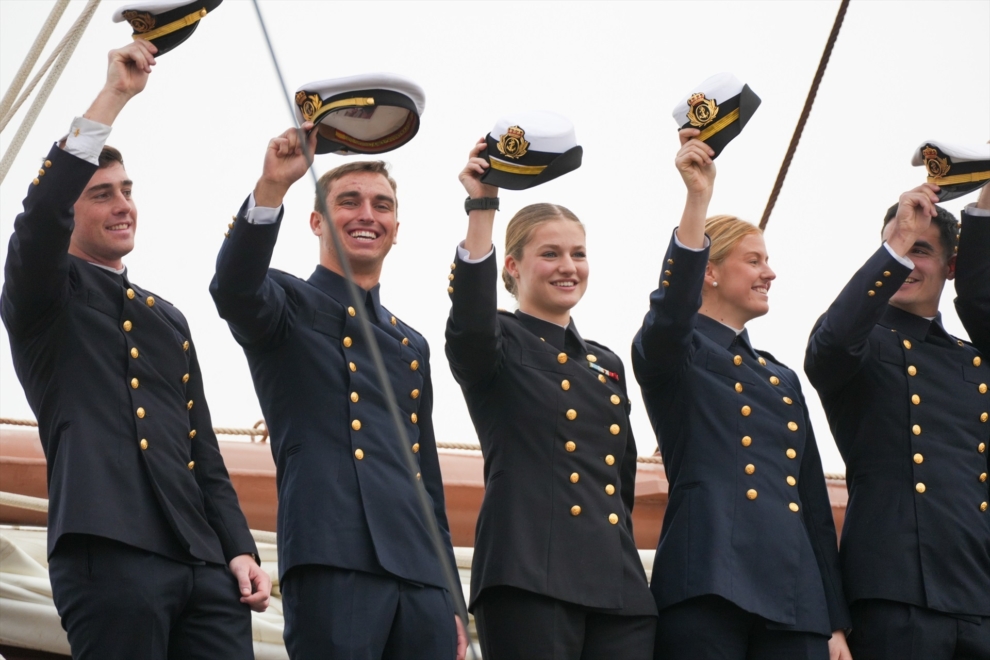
[(481, 204), (269, 193)]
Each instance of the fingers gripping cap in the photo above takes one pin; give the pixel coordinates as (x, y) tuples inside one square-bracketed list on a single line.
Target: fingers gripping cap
[(365, 114), (958, 169), (165, 24), (720, 108), (527, 149)]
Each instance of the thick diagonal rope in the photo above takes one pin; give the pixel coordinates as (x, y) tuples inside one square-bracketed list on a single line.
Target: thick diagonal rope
[(31, 59), (425, 502), (805, 113), (71, 40)]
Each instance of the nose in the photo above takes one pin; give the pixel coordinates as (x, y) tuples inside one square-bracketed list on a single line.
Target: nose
[(566, 264), (121, 203), (768, 273)]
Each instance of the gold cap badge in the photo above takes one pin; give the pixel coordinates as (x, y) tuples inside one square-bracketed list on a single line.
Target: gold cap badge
[(141, 21), (701, 111), (308, 104), (937, 167), (513, 143)]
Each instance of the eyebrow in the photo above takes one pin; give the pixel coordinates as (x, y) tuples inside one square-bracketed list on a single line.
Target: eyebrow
[(924, 244), (126, 183), (353, 194)]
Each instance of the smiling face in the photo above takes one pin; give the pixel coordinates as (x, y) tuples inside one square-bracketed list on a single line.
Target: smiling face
[(552, 273), (922, 290), (362, 207), (105, 218), (744, 278)]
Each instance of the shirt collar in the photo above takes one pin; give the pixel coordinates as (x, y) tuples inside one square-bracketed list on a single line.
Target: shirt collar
[(559, 337), (912, 325), (722, 334), (335, 286)]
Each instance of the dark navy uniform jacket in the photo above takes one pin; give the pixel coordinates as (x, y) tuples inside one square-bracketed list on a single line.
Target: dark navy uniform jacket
[(749, 517), (110, 371), (345, 495), (908, 406), (560, 457)]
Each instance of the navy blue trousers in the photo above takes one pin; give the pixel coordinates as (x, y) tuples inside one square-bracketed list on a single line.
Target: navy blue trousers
[(886, 630), (117, 601), (338, 614)]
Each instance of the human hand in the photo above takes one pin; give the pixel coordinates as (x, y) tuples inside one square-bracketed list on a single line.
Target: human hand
[(694, 162), (838, 649), (287, 159), (470, 176), (462, 638), (983, 201), (128, 68), (915, 210), (254, 584)]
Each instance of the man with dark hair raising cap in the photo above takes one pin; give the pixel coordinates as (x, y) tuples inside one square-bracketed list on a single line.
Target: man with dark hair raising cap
[(149, 554), (910, 411)]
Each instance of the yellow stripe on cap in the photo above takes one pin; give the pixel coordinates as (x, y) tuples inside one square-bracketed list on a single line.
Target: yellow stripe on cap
[(719, 125), (955, 179), (358, 102), (512, 168), (169, 28)]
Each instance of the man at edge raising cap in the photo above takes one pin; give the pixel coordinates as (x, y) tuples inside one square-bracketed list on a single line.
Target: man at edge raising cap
[(909, 408), (359, 574), (148, 548)]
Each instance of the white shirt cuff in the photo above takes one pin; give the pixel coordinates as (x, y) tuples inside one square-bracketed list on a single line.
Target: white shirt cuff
[(86, 139), (678, 243), (904, 260), (465, 256), (261, 215), (977, 213)]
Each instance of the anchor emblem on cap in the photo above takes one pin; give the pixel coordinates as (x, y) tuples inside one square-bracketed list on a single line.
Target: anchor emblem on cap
[(937, 167), (308, 104), (141, 21), (513, 144), (701, 111)]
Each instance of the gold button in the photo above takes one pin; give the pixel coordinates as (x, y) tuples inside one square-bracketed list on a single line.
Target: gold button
[(230, 225), (392, 320), (791, 481), (356, 425), (670, 262), (359, 454), (614, 519), (592, 358), (189, 405), (615, 399), (920, 487), (762, 361), (185, 378), (983, 388), (602, 378), (414, 365), (614, 429), (915, 399), (871, 293), (750, 469), (916, 429), (739, 387), (127, 326), (36, 181), (907, 344), (792, 426), (192, 434), (144, 444), (48, 163), (878, 284), (451, 277), (405, 341), (140, 413), (747, 441), (134, 353), (977, 361), (610, 489), (419, 476), (983, 506), (982, 447), (453, 266), (131, 294), (351, 312), (774, 380), (414, 418), (737, 360), (791, 454), (450, 289), (562, 358), (185, 346), (912, 371), (575, 477), (886, 273), (415, 448), (572, 414), (134, 383), (983, 477), (348, 342), (565, 384), (354, 397), (667, 273), (414, 394), (191, 464), (610, 460), (665, 284), (575, 510), (984, 417), (150, 300), (919, 459), (746, 410), (570, 446), (352, 366), (960, 342), (794, 507), (751, 494), (788, 400)]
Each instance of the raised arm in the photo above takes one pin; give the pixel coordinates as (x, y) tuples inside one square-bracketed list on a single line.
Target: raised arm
[(473, 337), (249, 300), (973, 272)]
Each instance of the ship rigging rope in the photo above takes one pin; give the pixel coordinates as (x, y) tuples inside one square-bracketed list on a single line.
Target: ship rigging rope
[(63, 53), (805, 113), (32, 57)]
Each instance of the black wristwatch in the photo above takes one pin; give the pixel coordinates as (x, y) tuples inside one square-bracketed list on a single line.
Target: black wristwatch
[(480, 204)]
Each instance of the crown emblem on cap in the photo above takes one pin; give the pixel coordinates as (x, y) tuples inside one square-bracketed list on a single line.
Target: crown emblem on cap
[(308, 104), (513, 143), (937, 167), (701, 111), (141, 21)]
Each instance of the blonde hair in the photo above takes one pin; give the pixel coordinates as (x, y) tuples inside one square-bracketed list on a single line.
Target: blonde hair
[(520, 231), (725, 232)]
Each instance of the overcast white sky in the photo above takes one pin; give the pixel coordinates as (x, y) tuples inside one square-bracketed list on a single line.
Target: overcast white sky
[(901, 73)]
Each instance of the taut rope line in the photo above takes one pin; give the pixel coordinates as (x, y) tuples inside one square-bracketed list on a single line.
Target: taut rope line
[(31, 59)]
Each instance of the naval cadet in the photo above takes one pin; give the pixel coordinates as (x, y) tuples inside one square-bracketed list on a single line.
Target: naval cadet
[(910, 412), (359, 575), (556, 574), (148, 547), (747, 564)]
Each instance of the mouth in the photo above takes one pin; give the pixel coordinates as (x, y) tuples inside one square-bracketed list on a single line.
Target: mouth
[(120, 226), (910, 280), (763, 289), (363, 235), (564, 284)]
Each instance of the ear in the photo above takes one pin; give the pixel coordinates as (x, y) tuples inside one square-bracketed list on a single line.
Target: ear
[(395, 237), (711, 275), (316, 223), (950, 273), (512, 266)]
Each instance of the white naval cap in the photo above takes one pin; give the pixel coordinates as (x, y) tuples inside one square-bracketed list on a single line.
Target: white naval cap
[(956, 168), (526, 149), (719, 107), (165, 24)]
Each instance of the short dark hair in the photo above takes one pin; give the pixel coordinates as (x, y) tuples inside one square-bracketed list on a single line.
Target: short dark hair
[(109, 156), (373, 166), (948, 228)]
